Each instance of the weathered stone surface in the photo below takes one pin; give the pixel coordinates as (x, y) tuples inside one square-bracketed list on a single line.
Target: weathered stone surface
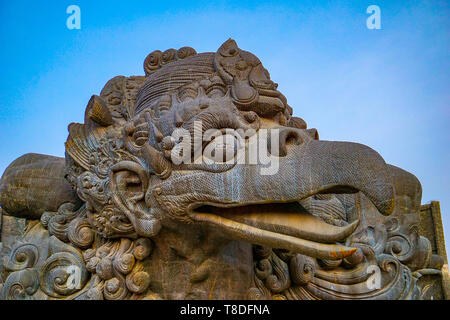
[(12, 229), (35, 183), (431, 228), (164, 215)]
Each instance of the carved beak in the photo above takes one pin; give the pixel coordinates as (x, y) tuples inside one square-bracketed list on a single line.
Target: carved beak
[(264, 209), (283, 226)]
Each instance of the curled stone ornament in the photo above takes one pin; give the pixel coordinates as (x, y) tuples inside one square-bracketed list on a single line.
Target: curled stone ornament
[(104, 269), (80, 233), (152, 62), (23, 256), (125, 263), (138, 280), (115, 289), (62, 274), (279, 280), (302, 269), (20, 285), (142, 249)]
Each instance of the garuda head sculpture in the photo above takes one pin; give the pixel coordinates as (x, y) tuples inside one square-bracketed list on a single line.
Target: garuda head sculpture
[(196, 182)]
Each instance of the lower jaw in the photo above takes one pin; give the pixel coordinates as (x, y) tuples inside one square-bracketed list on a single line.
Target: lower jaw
[(232, 225)]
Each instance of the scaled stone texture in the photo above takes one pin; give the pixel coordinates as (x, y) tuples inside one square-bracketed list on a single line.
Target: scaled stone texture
[(119, 218)]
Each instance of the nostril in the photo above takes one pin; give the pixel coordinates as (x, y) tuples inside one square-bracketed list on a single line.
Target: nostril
[(285, 137), (251, 116), (293, 137)]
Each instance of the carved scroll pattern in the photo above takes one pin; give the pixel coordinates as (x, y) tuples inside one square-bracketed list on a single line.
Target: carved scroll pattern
[(39, 266), (392, 251), (117, 270)]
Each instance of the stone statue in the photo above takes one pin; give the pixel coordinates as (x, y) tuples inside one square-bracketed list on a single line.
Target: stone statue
[(142, 209)]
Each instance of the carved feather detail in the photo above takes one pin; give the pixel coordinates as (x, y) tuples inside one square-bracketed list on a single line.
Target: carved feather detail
[(98, 112), (81, 144)]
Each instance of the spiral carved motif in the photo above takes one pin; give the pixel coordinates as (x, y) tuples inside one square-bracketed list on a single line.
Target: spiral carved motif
[(142, 249), (124, 263), (80, 233), (118, 268), (62, 274), (255, 294), (168, 56), (279, 280), (115, 289), (59, 224), (20, 285), (22, 257), (152, 62), (104, 268), (259, 291), (185, 52), (302, 269), (156, 59), (138, 281)]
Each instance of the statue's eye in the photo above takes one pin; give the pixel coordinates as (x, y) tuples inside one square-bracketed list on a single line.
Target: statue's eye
[(223, 148)]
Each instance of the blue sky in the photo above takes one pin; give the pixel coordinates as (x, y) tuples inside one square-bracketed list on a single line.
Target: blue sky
[(387, 88)]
